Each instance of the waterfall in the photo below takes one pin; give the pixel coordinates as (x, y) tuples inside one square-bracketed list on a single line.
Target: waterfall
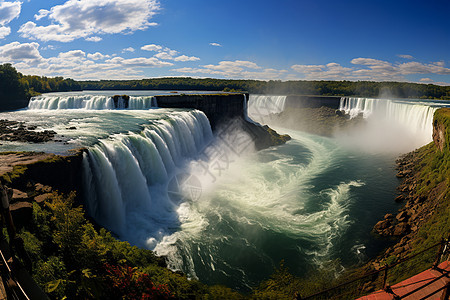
[(261, 106), (91, 102), (398, 119), (126, 175)]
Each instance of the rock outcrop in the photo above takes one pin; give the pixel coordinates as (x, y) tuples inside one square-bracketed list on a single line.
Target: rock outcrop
[(424, 191), (21, 132), (219, 108)]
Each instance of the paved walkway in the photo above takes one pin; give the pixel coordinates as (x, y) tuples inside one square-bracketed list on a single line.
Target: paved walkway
[(407, 286)]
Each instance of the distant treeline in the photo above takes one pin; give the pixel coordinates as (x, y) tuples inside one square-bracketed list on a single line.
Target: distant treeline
[(326, 88), (16, 88)]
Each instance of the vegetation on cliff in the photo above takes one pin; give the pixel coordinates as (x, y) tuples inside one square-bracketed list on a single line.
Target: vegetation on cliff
[(16, 88), (71, 258)]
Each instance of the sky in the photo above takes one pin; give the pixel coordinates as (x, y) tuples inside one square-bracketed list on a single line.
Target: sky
[(377, 40)]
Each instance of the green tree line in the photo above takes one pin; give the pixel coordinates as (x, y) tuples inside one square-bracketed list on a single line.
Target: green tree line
[(326, 88), (16, 88)]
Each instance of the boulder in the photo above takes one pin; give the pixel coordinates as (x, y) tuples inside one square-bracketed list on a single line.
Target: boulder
[(401, 229), (402, 216), (381, 225), (42, 198), (388, 216), (40, 188), (19, 196), (21, 213), (399, 198)]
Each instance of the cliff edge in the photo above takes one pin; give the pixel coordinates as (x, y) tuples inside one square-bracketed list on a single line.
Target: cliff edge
[(424, 188)]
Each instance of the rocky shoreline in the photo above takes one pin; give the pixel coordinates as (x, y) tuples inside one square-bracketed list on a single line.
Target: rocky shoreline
[(15, 131), (417, 209)]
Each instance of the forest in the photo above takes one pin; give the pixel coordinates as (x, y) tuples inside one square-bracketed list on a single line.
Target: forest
[(16, 88), (325, 88)]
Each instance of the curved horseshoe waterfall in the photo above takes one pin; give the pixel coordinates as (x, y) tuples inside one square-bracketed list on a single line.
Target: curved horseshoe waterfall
[(213, 206)]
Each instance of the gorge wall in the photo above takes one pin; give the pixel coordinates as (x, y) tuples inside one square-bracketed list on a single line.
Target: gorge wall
[(441, 129), (217, 107), (424, 188), (303, 101)]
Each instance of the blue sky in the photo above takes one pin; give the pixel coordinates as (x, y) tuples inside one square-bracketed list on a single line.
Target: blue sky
[(246, 39)]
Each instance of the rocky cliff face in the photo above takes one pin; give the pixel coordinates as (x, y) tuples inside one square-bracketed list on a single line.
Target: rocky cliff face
[(222, 109), (424, 190), (63, 173), (217, 107), (441, 127)]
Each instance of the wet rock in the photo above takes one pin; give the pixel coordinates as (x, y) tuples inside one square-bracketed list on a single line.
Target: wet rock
[(381, 225), (402, 217), (399, 198), (40, 188), (401, 229), (388, 216), (19, 196), (398, 250), (42, 198), (17, 131), (21, 212)]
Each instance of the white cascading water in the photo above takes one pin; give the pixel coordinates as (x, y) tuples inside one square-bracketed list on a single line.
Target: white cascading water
[(126, 176), (90, 102), (406, 123), (262, 106)]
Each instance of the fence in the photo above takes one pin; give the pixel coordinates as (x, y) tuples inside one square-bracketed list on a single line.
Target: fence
[(389, 274)]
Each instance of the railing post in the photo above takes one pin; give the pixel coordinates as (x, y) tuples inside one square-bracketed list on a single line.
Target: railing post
[(385, 285), (440, 252), (446, 292)]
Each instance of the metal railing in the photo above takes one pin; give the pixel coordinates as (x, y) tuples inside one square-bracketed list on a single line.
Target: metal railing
[(390, 273), (13, 288)]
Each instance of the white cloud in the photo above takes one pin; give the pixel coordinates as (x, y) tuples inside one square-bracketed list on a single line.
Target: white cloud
[(186, 58), (370, 69), (426, 80), (419, 68), (308, 68), (232, 66), (167, 53), (236, 69), (139, 62), (9, 11), (72, 54), (163, 55), (94, 39), (42, 13), (97, 56), (151, 47), (405, 56), (48, 47), (129, 49), (4, 31), (215, 44), (76, 63), (16, 51), (84, 18)]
